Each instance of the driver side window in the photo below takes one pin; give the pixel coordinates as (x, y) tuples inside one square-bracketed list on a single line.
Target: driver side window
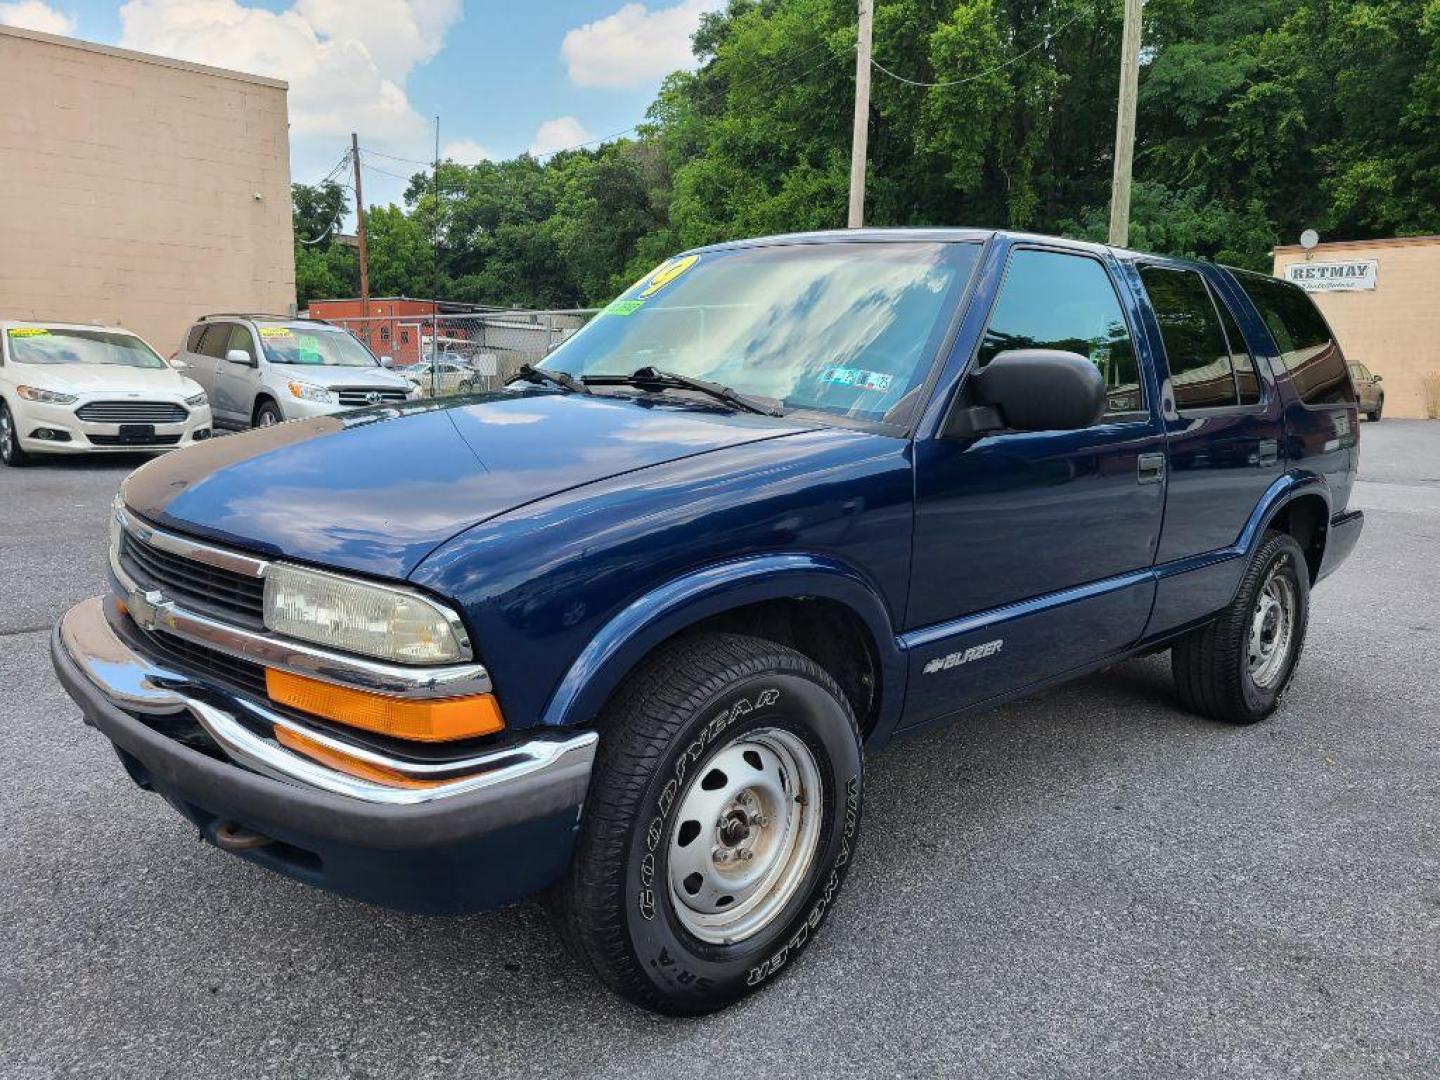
[(1055, 300), (240, 339)]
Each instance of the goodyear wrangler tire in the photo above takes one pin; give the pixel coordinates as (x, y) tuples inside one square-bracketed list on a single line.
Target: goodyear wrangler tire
[(720, 822)]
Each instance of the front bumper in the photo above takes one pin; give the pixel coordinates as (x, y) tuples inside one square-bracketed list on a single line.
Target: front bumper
[(503, 831), (76, 436)]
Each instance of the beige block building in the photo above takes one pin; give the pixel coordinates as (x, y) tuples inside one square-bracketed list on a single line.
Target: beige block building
[(139, 190), (1382, 299)]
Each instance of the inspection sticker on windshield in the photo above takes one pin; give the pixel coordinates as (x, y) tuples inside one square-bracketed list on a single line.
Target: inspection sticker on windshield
[(623, 307), (29, 331), (275, 331), (857, 377), (667, 272)]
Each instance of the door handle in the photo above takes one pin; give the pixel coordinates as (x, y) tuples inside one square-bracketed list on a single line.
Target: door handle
[(1150, 468), (1269, 452)]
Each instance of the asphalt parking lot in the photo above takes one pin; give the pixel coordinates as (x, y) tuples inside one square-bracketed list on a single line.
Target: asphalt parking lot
[(1090, 883)]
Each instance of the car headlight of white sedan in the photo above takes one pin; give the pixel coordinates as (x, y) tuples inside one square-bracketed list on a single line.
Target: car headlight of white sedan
[(48, 397), (197, 401)]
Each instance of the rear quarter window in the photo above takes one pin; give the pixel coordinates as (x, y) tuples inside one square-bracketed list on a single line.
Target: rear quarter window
[(1309, 355)]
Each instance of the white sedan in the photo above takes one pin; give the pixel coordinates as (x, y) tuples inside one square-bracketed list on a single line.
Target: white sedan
[(70, 388)]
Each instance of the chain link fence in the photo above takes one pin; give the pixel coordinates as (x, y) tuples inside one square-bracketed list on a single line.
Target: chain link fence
[(463, 354)]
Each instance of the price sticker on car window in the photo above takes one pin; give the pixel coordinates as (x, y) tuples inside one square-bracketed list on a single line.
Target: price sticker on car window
[(276, 331), (667, 272), (623, 307), (29, 331)]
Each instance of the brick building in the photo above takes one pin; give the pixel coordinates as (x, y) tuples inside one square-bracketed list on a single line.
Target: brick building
[(139, 190), (1380, 297)]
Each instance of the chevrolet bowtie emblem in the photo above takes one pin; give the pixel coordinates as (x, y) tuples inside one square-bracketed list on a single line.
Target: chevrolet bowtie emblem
[(144, 608)]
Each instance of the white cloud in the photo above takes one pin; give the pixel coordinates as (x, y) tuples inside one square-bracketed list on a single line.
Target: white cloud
[(634, 45), (33, 15), (465, 152), (346, 60), (562, 133)]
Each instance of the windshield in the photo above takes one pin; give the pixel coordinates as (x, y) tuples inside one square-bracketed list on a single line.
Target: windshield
[(314, 347), (842, 328), (48, 345)]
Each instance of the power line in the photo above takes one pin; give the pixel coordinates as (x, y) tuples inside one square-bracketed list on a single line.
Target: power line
[(988, 72), (386, 172)]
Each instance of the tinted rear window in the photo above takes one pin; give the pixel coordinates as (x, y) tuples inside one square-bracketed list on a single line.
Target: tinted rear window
[(1309, 354), (1195, 345)]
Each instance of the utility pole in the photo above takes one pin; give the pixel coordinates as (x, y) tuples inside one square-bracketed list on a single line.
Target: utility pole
[(1125, 125), (360, 234), (860, 139)]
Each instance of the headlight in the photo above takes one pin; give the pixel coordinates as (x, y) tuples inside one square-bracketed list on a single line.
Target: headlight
[(310, 392), (196, 401), (49, 397), (358, 616)]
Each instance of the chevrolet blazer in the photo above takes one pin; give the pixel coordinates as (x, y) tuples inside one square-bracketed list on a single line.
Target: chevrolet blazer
[(623, 633)]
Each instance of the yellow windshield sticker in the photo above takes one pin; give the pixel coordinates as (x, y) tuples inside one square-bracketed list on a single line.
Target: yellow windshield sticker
[(667, 272), (29, 331), (275, 331)]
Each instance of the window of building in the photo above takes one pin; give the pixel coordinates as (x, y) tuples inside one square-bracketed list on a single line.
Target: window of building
[(1308, 352), (1201, 375), (1053, 300)]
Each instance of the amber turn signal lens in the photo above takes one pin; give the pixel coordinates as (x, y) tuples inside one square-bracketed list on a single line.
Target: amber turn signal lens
[(438, 720), (348, 763)]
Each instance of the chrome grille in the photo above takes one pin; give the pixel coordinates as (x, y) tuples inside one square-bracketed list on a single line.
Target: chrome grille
[(132, 412), (192, 657), (199, 584), (355, 397)]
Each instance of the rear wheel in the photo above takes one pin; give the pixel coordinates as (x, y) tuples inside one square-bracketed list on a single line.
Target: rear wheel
[(1237, 668), (1375, 415), (720, 821), (268, 415), (10, 451)]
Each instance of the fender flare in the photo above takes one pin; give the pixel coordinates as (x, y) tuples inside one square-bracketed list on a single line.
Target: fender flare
[(630, 634), (1285, 490)]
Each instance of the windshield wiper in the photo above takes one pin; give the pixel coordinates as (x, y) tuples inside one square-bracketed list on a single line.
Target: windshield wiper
[(649, 378), (562, 379)]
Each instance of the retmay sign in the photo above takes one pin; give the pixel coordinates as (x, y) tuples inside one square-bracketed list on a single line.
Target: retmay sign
[(1333, 276)]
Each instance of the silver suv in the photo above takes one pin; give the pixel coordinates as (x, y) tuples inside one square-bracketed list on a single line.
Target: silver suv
[(261, 369)]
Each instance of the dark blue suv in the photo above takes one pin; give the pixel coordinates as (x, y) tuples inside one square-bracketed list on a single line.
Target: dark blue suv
[(624, 632)]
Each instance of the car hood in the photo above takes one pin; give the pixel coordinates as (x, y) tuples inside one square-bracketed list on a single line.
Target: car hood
[(376, 490), (321, 375), (106, 378)]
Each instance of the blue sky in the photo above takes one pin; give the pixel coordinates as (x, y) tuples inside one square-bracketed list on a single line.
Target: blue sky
[(504, 76)]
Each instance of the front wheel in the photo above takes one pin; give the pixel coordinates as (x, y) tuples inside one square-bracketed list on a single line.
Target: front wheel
[(1236, 668), (268, 415), (10, 452), (721, 819), (1374, 416)]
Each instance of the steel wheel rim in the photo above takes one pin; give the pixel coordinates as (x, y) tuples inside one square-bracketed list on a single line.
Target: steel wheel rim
[(744, 837), (1272, 628), (267, 418), (7, 436)]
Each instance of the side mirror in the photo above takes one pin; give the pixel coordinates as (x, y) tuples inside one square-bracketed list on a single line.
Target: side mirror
[(239, 356), (1376, 378), (1031, 390), (387, 361), (179, 365)]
